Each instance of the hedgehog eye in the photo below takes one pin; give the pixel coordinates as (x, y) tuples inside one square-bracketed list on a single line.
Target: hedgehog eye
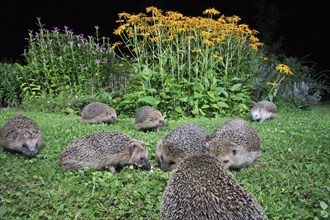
[(225, 161), (171, 163), (25, 146), (142, 159), (151, 119), (234, 152)]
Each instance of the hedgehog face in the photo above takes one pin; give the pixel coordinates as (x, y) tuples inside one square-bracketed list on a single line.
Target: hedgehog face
[(166, 164), (28, 145), (110, 117), (256, 114), (226, 152), (166, 159), (139, 155), (156, 119)]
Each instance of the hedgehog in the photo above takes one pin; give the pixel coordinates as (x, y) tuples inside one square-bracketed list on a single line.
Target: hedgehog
[(182, 141), (263, 110), (102, 150), (148, 118), (200, 187), (236, 143), (97, 112), (22, 135)]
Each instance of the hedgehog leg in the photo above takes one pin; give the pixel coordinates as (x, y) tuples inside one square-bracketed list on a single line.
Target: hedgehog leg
[(112, 169)]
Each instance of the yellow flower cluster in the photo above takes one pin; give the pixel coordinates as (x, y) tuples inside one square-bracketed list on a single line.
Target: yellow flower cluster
[(158, 27), (284, 69)]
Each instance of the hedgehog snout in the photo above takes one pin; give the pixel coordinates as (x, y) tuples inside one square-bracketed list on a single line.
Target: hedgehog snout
[(162, 123), (114, 119), (145, 165), (29, 151)]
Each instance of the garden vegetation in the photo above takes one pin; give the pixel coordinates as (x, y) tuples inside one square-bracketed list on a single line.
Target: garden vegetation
[(193, 69)]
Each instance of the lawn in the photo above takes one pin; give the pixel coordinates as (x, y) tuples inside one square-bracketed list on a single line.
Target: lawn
[(290, 180)]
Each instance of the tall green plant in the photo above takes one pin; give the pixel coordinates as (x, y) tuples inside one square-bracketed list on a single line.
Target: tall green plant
[(9, 85), (190, 65), (60, 60)]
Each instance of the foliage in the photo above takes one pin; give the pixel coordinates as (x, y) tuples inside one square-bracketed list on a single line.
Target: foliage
[(59, 60), (308, 87), (283, 72), (189, 65), (64, 103), (290, 180), (302, 88), (9, 85)]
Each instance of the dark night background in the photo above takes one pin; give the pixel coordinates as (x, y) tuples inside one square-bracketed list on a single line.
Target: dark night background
[(303, 25)]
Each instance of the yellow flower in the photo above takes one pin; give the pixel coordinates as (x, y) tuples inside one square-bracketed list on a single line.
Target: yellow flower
[(135, 18), (211, 11), (271, 83), (218, 40), (205, 34), (217, 56), (196, 50), (255, 46), (233, 19), (208, 42), (114, 46), (222, 20), (124, 15), (153, 39), (170, 38), (254, 39), (154, 10), (120, 29), (174, 15), (264, 58), (284, 69), (182, 29)]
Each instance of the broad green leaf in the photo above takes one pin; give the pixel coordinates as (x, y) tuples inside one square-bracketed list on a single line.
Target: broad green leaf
[(183, 99), (236, 87), (149, 100), (323, 205), (222, 105)]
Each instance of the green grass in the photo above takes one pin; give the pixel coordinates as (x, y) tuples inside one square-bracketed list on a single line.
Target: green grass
[(291, 179)]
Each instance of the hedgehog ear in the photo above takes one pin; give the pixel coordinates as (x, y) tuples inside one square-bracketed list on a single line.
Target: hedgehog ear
[(132, 148)]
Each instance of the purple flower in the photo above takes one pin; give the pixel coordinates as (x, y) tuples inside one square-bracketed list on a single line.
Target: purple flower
[(81, 65), (97, 60), (55, 30)]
